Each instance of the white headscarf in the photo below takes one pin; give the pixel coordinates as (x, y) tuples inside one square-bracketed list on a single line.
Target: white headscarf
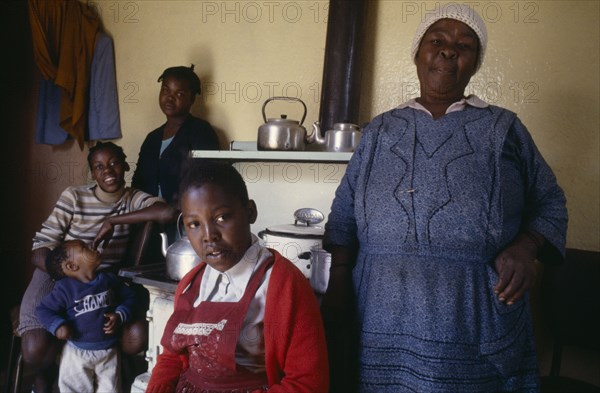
[(460, 12)]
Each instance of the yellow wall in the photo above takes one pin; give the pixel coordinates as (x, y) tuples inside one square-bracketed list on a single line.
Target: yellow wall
[(542, 62)]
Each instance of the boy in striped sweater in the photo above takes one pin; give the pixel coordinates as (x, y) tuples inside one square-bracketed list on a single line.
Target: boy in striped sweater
[(86, 307)]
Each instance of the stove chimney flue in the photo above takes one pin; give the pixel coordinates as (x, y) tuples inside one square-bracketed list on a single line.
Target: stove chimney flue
[(340, 97)]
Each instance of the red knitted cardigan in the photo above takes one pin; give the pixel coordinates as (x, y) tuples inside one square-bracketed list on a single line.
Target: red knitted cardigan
[(295, 348)]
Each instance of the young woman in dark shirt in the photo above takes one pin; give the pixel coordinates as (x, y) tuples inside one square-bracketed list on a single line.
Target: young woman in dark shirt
[(166, 148)]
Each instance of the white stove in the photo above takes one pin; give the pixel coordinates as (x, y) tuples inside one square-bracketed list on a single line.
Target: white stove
[(162, 292)]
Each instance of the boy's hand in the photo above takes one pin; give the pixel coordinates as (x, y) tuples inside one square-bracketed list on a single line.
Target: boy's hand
[(113, 322), (63, 332)]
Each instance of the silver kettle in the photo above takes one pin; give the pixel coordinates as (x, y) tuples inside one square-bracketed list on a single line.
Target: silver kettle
[(281, 133), (344, 137), (180, 256)]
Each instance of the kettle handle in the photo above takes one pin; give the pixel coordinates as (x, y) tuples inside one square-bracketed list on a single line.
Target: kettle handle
[(286, 99), (179, 217)]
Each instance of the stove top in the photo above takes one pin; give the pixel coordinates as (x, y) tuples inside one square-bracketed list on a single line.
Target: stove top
[(153, 275), (157, 276), (152, 268)]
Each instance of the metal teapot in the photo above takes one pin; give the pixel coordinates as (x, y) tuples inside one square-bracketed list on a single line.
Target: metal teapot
[(282, 133), (344, 137), (180, 256)]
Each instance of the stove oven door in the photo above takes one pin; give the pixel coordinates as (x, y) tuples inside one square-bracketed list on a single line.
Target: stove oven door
[(161, 308)]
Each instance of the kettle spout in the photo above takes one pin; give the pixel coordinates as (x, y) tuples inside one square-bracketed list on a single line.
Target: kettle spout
[(165, 243), (316, 136)]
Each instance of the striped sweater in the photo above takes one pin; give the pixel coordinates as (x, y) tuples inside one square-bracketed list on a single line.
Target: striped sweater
[(78, 214)]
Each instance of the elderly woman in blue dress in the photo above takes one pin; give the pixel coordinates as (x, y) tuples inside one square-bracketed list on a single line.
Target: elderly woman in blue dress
[(435, 229)]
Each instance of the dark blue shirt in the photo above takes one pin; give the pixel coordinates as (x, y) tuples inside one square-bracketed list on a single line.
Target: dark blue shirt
[(83, 305)]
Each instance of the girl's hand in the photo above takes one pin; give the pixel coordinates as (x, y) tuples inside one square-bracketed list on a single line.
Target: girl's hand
[(104, 234)]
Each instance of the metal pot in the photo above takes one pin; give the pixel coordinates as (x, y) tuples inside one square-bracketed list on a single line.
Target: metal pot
[(320, 262), (292, 240), (344, 137), (281, 133), (180, 256)]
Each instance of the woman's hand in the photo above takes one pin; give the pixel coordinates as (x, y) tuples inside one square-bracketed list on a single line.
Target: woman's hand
[(515, 266), (104, 234), (113, 322)]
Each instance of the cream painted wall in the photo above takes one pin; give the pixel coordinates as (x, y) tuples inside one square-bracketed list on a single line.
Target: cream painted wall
[(542, 62), (244, 52)]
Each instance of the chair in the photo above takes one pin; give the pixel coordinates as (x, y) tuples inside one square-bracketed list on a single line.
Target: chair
[(139, 249), (571, 310), (14, 370), (144, 246)]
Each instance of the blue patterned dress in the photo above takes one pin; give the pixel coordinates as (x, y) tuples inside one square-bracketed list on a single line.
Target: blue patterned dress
[(430, 204)]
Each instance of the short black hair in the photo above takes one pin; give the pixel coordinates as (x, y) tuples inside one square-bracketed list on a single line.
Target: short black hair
[(116, 149), (54, 261), (183, 73), (198, 172)]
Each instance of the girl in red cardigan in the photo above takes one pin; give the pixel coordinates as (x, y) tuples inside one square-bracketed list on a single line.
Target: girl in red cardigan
[(246, 319)]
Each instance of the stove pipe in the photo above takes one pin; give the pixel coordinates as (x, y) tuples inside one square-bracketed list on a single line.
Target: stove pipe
[(340, 97)]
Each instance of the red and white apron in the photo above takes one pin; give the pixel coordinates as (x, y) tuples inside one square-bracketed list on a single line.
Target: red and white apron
[(209, 334)]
